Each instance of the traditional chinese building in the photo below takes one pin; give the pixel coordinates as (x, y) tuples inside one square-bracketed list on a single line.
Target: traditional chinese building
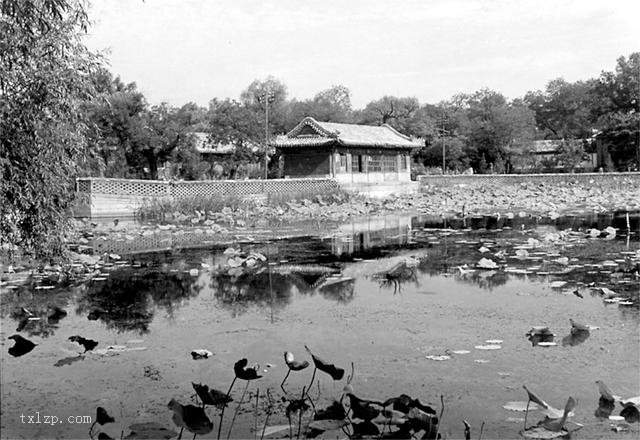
[(350, 153)]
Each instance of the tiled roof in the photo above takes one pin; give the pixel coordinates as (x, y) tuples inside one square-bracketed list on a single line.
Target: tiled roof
[(546, 146), (383, 136)]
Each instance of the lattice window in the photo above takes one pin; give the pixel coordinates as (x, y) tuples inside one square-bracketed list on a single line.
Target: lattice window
[(390, 164), (374, 163)]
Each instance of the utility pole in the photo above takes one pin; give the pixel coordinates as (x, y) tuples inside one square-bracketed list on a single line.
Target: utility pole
[(443, 133), (267, 96)]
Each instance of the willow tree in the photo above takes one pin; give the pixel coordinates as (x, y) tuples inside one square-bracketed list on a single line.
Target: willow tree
[(45, 74)]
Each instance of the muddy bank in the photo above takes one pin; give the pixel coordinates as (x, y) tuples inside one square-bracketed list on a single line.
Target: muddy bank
[(536, 198), (455, 200)]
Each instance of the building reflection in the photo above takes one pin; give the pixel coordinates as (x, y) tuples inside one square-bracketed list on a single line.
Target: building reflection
[(359, 236)]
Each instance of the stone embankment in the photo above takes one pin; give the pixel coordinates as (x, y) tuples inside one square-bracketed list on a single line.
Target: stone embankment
[(572, 194)]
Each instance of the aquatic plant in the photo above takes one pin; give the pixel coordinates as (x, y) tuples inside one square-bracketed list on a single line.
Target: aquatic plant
[(211, 396), (292, 365), (88, 344), (102, 418), (22, 346), (336, 373), (191, 417), (242, 372)]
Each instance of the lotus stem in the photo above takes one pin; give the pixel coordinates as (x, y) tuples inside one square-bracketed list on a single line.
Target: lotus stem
[(224, 406), (91, 429), (526, 413), (299, 423), (255, 415), (269, 408), (235, 413), (304, 392), (313, 377), (441, 413), (481, 429), (284, 380), (180, 435)]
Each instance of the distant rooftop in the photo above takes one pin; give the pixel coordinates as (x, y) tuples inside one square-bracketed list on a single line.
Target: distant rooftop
[(311, 133), (204, 144), (551, 146)]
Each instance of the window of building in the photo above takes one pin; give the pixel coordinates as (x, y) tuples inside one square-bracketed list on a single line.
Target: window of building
[(343, 163), (375, 163), (390, 164), (403, 162)]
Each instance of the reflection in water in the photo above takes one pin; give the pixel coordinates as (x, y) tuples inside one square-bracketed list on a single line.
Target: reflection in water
[(401, 273), (69, 360), (605, 408), (274, 287), (340, 290), (576, 337), (238, 293), (631, 414), (537, 338), (360, 236), (127, 299), (37, 312)]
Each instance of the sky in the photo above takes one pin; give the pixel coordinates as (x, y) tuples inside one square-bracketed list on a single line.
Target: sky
[(179, 51)]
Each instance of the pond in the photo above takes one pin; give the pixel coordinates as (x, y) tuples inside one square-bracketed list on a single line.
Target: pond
[(400, 297)]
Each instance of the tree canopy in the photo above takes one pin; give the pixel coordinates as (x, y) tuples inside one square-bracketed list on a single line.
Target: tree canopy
[(45, 76)]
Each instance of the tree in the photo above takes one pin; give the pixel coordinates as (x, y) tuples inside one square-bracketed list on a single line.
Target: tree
[(387, 110), (498, 131), (253, 98), (115, 116), (233, 123), (564, 110), (156, 138), (44, 76), (619, 114), (332, 105)]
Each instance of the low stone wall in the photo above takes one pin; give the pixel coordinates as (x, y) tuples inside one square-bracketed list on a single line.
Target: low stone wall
[(100, 197), (612, 179)]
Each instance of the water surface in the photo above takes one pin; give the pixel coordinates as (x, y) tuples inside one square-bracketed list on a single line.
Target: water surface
[(334, 292)]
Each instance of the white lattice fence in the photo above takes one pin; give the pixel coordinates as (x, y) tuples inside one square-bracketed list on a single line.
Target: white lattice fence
[(113, 197), (125, 187)]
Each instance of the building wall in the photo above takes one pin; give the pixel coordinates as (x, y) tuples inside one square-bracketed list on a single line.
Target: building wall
[(370, 165), (300, 164)]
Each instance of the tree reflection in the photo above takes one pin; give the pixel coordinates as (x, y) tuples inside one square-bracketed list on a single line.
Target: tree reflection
[(37, 312), (238, 292), (341, 291), (126, 300)]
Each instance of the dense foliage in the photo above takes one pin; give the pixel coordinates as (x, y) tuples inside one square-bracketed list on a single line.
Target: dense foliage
[(483, 130), (45, 76)]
